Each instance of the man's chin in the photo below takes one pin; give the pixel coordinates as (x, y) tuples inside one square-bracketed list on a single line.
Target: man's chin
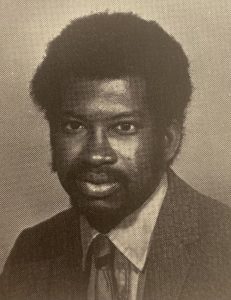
[(102, 214), (102, 217), (99, 207)]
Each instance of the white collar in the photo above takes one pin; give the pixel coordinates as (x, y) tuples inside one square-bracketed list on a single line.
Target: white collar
[(133, 234)]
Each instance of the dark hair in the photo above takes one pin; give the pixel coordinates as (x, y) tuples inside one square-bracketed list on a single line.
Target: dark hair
[(113, 45)]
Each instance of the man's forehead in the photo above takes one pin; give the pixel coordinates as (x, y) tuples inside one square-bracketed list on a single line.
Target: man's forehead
[(125, 86)]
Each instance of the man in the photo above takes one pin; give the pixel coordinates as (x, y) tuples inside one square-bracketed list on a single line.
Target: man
[(114, 89)]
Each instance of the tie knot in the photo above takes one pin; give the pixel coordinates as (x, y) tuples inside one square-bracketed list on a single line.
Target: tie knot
[(102, 249)]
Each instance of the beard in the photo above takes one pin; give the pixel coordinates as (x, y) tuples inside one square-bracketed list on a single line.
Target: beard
[(134, 190), (136, 183)]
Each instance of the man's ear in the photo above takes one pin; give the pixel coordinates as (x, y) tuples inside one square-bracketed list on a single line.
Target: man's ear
[(172, 140)]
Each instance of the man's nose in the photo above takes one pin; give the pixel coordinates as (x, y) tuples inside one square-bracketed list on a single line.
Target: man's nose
[(98, 150)]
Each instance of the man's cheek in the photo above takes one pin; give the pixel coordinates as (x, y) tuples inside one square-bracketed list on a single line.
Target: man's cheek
[(67, 150), (62, 160), (126, 148)]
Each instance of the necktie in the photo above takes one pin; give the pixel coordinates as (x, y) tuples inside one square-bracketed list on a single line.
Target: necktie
[(104, 278), (122, 273)]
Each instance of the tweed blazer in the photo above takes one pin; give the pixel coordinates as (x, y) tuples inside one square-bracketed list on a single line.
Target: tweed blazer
[(189, 257)]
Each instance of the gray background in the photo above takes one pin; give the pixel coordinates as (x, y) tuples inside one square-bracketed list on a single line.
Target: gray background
[(29, 192)]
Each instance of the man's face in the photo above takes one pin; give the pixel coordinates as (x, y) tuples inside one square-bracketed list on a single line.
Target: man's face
[(105, 147)]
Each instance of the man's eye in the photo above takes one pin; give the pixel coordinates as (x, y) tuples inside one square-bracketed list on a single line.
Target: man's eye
[(126, 128), (73, 126)]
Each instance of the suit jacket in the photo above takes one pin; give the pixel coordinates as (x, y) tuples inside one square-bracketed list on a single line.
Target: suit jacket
[(189, 258)]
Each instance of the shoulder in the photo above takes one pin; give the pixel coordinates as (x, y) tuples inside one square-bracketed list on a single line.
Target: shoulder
[(46, 239), (213, 218), (211, 251), (213, 215), (215, 229), (207, 208)]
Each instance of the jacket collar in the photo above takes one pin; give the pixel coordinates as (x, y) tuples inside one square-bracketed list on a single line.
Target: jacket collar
[(176, 230), (178, 219)]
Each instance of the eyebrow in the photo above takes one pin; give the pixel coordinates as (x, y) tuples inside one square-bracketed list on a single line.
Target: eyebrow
[(111, 116)]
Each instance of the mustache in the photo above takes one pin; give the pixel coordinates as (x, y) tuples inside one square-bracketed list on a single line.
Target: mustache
[(103, 173)]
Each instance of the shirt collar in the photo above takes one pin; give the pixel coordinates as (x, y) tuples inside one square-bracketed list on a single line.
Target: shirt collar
[(133, 234)]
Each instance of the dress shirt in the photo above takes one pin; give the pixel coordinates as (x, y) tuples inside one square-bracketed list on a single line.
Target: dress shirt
[(132, 235)]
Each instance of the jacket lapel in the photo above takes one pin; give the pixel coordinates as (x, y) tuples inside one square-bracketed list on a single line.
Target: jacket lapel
[(176, 229), (66, 280), (66, 274)]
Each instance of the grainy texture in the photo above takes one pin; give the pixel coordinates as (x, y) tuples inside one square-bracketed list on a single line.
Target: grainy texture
[(29, 193)]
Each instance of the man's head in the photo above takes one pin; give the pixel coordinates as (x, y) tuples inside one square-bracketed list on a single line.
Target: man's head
[(114, 89)]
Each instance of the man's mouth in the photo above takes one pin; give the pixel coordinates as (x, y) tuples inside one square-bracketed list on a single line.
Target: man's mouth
[(98, 190)]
